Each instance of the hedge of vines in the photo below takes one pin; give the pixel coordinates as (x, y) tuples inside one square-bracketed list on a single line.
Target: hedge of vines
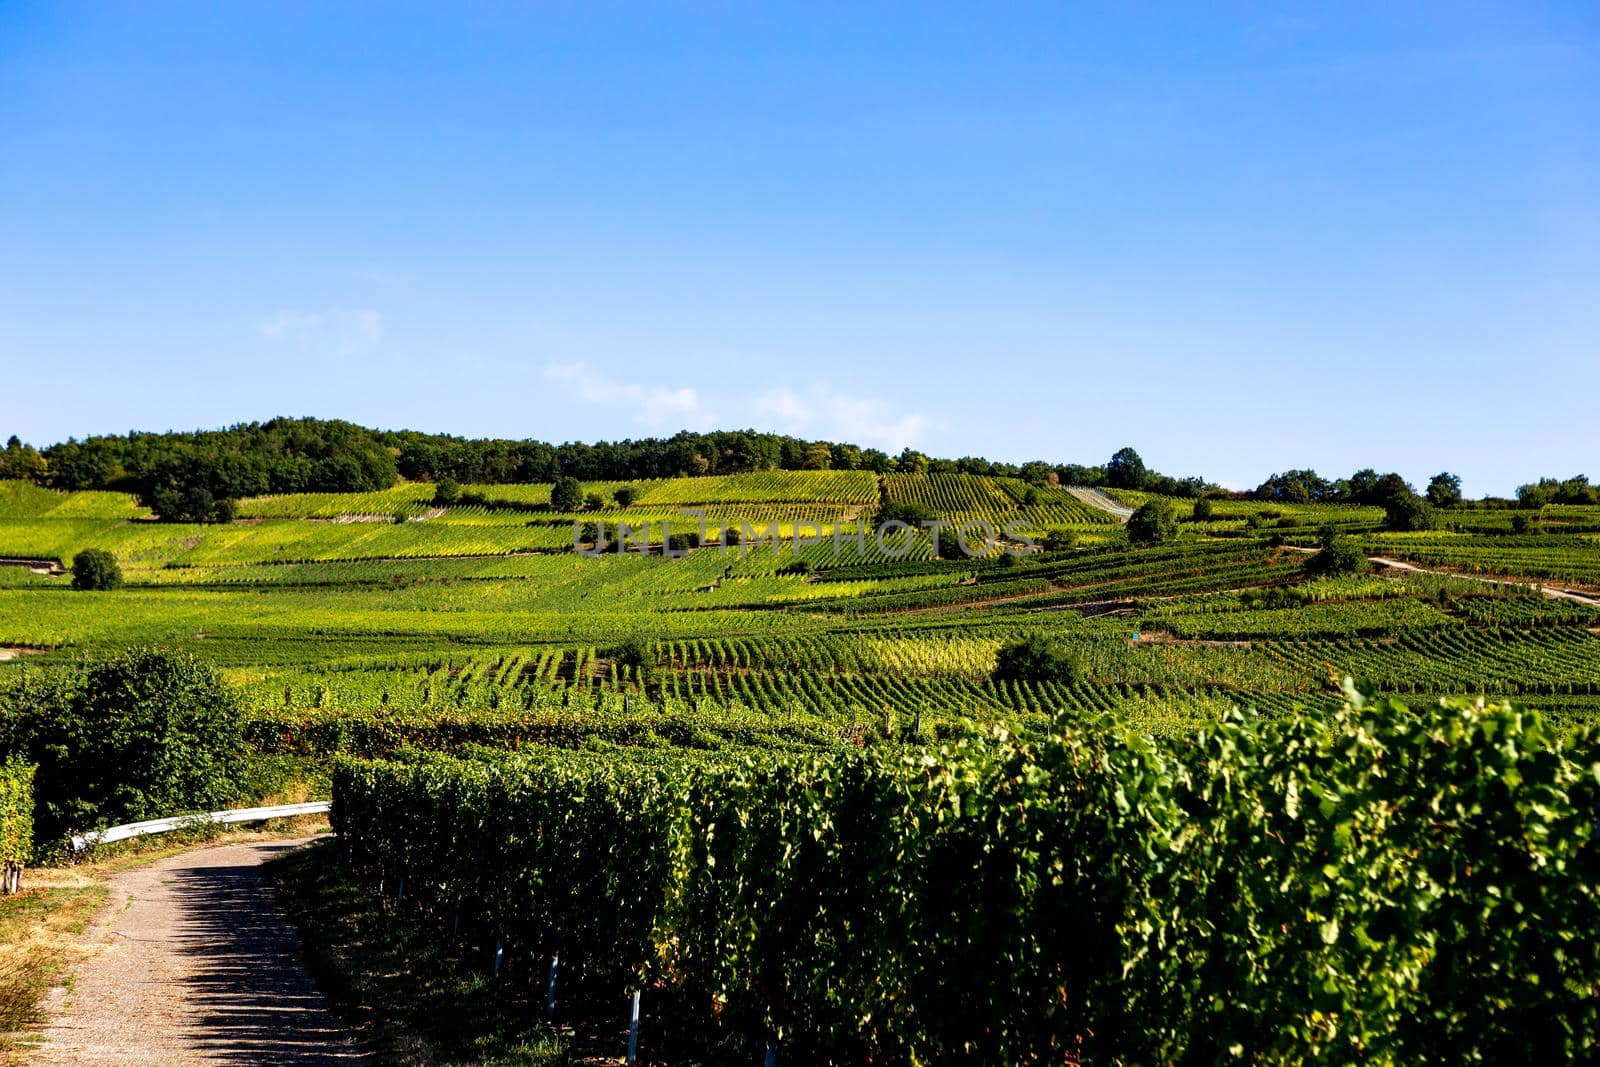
[(16, 822), (1374, 883)]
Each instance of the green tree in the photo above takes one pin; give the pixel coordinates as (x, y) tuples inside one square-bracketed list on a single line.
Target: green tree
[(1339, 555), (446, 492), (593, 502), (144, 734), (1125, 470), (1152, 523), (1059, 541), (566, 494), (1408, 512), (95, 568), (1037, 658), (1444, 490), (1203, 510), (625, 496)]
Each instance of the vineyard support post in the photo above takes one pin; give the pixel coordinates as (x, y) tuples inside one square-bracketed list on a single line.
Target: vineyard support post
[(633, 1031), (550, 989), (499, 954)]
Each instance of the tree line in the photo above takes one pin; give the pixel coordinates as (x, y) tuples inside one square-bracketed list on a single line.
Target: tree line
[(196, 476)]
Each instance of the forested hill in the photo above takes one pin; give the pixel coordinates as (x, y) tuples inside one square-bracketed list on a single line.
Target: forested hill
[(286, 455)]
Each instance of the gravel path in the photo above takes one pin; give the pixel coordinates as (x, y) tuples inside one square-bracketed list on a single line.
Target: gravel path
[(196, 963)]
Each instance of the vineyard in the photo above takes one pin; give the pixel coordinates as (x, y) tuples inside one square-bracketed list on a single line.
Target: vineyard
[(823, 689)]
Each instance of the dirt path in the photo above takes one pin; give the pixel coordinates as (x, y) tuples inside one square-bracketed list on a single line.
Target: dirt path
[(194, 963), (1550, 592)]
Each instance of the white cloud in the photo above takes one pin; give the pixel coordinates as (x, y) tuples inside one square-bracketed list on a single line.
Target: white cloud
[(341, 331), (655, 406), (827, 413)]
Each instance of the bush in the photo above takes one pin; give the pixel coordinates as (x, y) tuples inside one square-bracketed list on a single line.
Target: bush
[(1407, 513), (1524, 523), (1203, 510), (1339, 555), (1060, 541), (682, 542), (593, 502), (1037, 658), (95, 568), (446, 493), (143, 735), (625, 496), (1152, 524), (566, 494), (638, 655)]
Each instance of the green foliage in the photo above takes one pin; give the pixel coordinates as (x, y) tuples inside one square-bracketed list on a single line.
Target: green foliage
[(1339, 555), (1444, 490), (1059, 541), (16, 819), (1203, 510), (1125, 470), (1037, 658), (1407, 513), (446, 492), (95, 568), (566, 495), (1373, 883), (638, 656), (140, 735), (625, 496), (1152, 523)]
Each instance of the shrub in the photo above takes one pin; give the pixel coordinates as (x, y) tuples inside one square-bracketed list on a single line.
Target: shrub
[(566, 494), (625, 496), (1203, 510), (1060, 541), (593, 502), (95, 568), (1408, 512), (1152, 524), (1525, 523), (682, 542), (638, 655), (1037, 658), (446, 493), (1339, 555), (143, 735)]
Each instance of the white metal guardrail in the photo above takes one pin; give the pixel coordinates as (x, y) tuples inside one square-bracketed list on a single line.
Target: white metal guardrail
[(219, 818)]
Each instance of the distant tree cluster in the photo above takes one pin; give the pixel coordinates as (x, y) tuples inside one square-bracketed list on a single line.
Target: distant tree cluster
[(1575, 490), (193, 477)]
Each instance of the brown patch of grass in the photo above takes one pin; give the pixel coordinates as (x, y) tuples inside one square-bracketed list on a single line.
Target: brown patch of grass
[(39, 928)]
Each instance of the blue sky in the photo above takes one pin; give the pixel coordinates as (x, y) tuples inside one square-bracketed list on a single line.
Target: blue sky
[(1241, 238)]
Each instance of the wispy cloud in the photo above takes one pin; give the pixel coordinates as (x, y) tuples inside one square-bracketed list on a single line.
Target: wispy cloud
[(655, 406), (826, 413), (341, 331)]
